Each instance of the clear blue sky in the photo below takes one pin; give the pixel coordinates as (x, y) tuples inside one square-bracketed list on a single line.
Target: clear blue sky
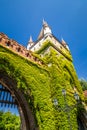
[(68, 19)]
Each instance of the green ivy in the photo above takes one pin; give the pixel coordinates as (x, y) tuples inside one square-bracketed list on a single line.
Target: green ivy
[(63, 76), (42, 84), (33, 78)]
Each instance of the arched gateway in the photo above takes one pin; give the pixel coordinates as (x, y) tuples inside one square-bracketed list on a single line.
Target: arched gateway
[(35, 77), (10, 95)]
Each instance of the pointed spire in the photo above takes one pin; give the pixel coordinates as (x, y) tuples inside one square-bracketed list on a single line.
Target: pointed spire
[(46, 30), (30, 40), (43, 20), (63, 42), (45, 23), (30, 43)]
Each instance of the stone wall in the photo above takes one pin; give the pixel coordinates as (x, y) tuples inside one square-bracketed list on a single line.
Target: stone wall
[(17, 48)]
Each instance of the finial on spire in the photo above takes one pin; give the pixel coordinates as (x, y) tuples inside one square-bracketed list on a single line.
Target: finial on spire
[(44, 23), (30, 40), (43, 20)]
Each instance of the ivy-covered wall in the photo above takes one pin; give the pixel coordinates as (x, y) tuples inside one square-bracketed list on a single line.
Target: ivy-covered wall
[(62, 76), (42, 84), (33, 80)]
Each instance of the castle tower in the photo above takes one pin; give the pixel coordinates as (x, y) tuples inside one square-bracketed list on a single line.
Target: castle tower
[(46, 79), (47, 35)]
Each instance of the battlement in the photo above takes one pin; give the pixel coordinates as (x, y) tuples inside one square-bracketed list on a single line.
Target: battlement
[(17, 48)]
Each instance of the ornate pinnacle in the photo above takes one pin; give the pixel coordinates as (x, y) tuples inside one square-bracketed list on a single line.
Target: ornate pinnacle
[(30, 40)]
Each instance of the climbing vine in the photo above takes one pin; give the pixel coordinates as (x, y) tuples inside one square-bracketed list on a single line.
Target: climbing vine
[(41, 84)]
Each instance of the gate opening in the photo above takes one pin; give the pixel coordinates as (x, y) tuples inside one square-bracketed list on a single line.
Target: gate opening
[(13, 98), (9, 110)]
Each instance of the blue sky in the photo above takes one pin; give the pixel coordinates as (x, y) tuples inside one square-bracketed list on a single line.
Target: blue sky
[(12, 110), (68, 19)]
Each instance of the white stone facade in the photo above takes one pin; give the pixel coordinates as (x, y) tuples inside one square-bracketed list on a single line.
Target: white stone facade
[(46, 34)]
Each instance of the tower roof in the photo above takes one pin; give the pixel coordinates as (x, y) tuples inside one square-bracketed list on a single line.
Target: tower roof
[(63, 41), (45, 24), (30, 40), (30, 43), (41, 34)]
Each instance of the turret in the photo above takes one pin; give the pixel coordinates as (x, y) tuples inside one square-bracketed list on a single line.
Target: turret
[(46, 28), (30, 43), (64, 43)]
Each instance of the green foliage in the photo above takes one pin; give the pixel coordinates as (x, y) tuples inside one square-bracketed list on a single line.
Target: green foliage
[(34, 81), (45, 45), (83, 84), (63, 75), (84, 87), (62, 50), (9, 121), (42, 84)]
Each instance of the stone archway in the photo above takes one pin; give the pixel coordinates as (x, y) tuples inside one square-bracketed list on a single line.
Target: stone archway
[(26, 116)]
